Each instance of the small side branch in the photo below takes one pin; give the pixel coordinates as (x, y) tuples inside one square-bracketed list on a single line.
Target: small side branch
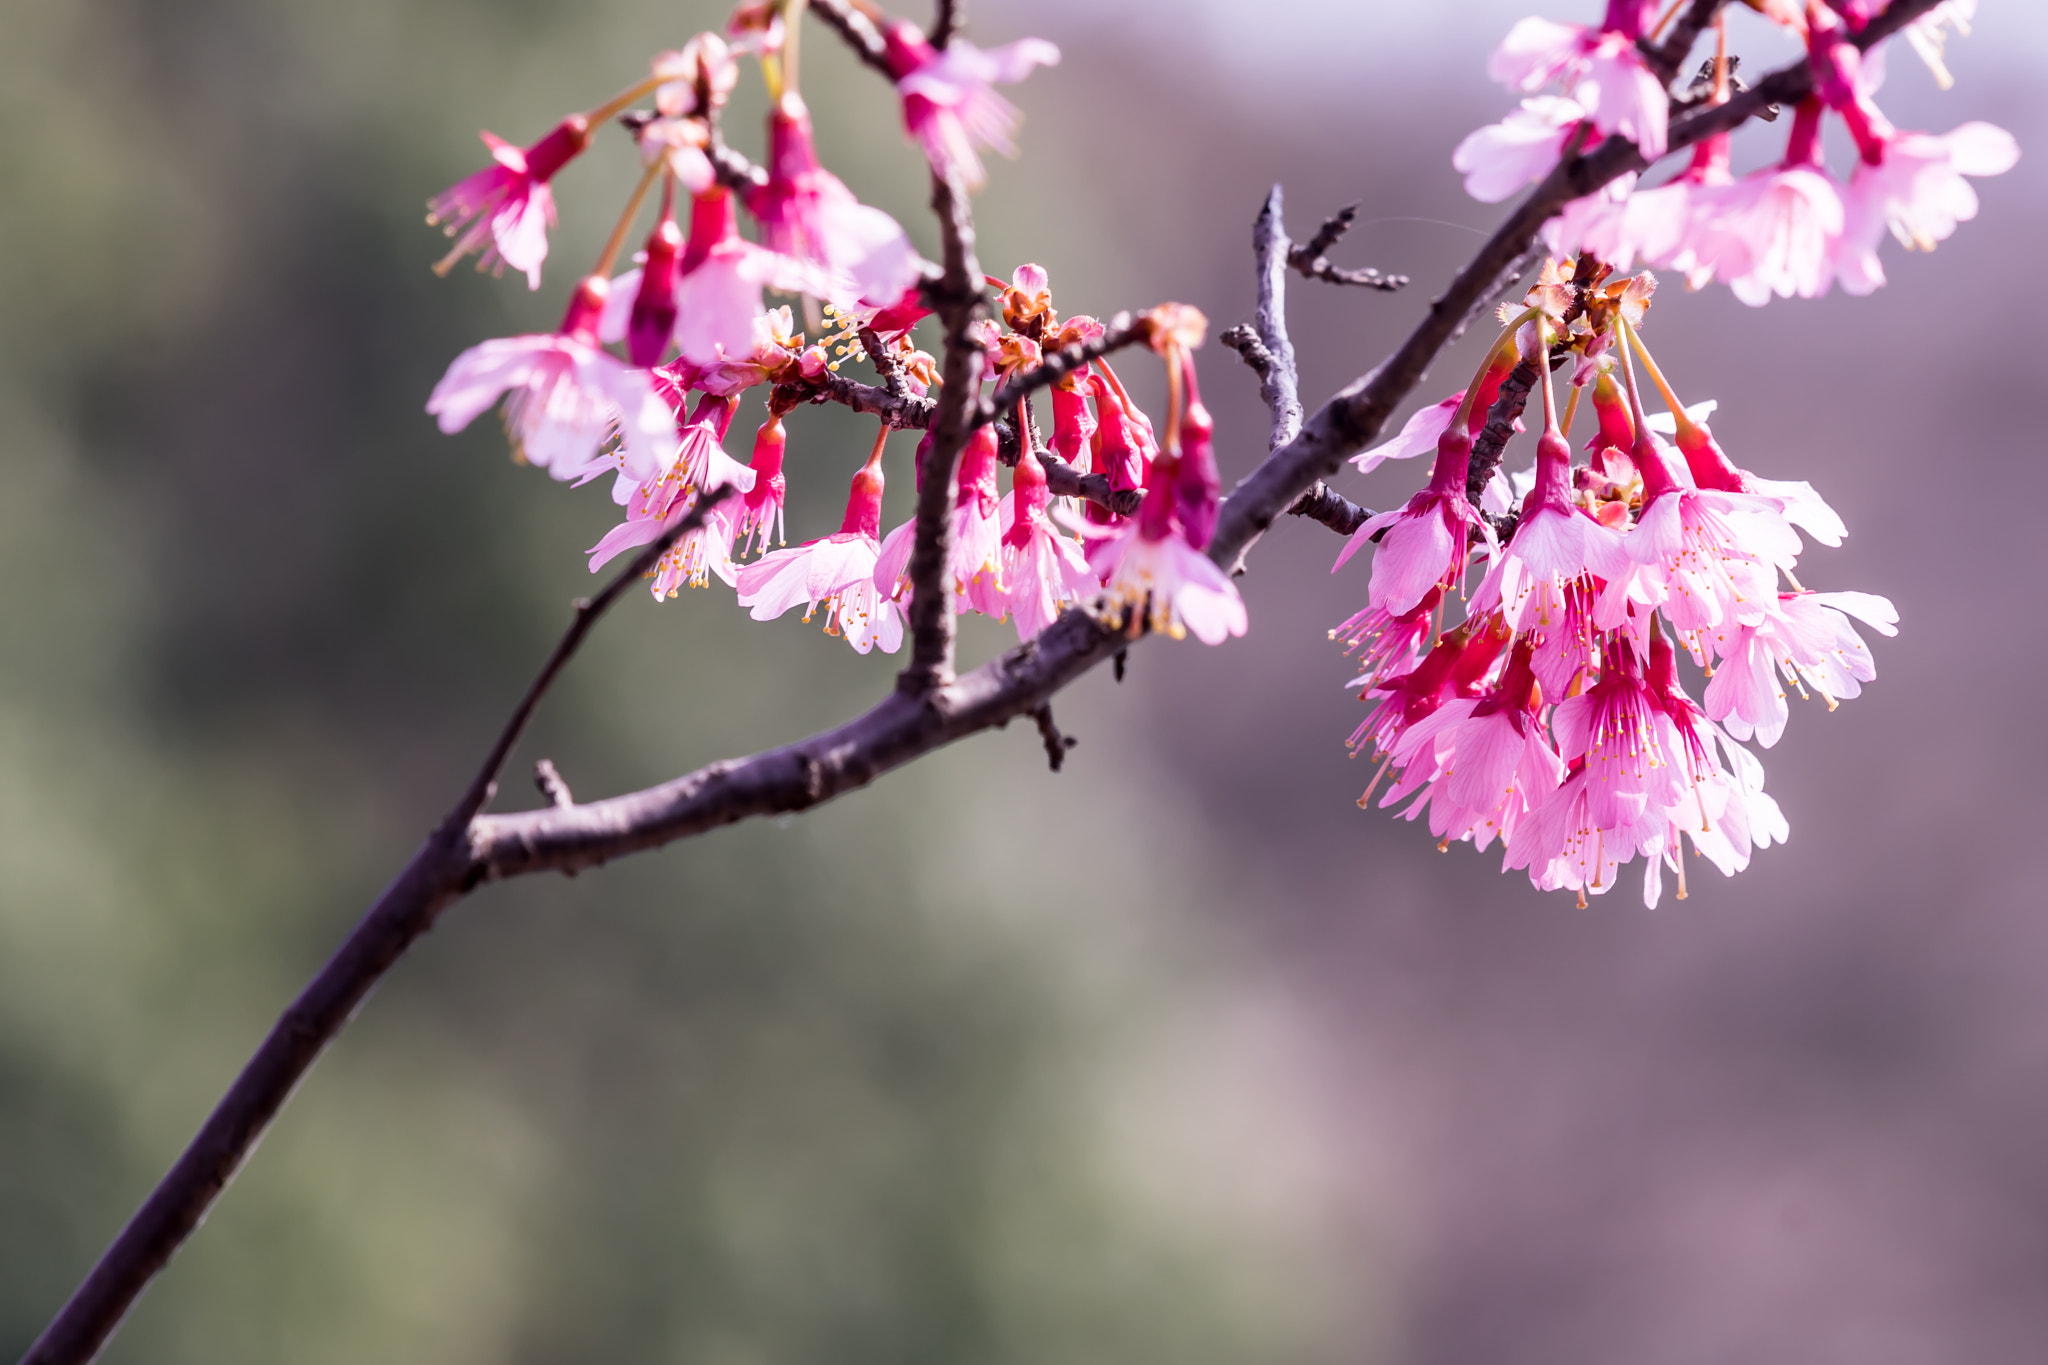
[(1667, 57), (1120, 331), (859, 31), (1056, 744), (886, 364), (1311, 259), (551, 784), (1333, 510)]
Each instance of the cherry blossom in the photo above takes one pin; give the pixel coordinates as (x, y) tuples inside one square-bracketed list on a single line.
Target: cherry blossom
[(949, 101), (1042, 569), (1600, 69), (807, 213), (564, 395), (504, 211), (835, 571)]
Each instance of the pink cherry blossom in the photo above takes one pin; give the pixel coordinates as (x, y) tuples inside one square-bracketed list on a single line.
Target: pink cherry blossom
[(1425, 541), (1418, 435), (1501, 158), (835, 571), (1149, 569), (504, 211), (761, 516), (1043, 569), (1917, 193), (1122, 446), (976, 562), (1600, 69), (692, 560), (1803, 637), (564, 395), (949, 101), (1556, 547), (1386, 645), (1481, 764), (807, 213)]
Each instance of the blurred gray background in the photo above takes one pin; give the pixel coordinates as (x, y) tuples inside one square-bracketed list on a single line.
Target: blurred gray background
[(1176, 1056)]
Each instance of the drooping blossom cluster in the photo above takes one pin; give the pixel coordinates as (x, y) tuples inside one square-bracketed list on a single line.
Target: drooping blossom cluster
[(1793, 228), (652, 365), (1553, 716)]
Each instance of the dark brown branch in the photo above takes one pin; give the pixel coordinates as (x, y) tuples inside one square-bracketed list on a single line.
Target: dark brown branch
[(734, 170), (859, 32), (1668, 57), (958, 300), (904, 412), (1120, 331), (1311, 258), (460, 855), (439, 873), (1333, 510), (1056, 744), (948, 22), (886, 364)]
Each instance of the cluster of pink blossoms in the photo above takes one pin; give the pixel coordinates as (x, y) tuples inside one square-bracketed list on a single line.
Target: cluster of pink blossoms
[(1553, 717), (1790, 229), (648, 370)]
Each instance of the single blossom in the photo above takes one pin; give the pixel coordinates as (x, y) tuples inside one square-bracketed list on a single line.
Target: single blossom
[(1425, 542), (761, 516), (1156, 577), (1043, 570), (564, 395), (504, 211), (808, 214), (975, 564), (950, 104), (1501, 158), (835, 571), (1918, 193), (1803, 636)]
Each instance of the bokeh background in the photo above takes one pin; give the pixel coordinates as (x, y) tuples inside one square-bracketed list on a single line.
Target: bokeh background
[(1175, 1056)]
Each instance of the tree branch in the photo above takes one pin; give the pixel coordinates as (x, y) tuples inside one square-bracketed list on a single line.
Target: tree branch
[(949, 20), (1668, 57), (859, 32), (441, 872), (1312, 261), (1120, 331), (958, 300), (469, 847)]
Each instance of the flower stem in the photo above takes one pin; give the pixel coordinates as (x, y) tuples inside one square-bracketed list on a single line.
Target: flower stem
[(617, 241), (604, 112)]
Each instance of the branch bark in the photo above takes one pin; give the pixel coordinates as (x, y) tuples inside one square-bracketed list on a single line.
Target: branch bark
[(469, 848), (958, 300)]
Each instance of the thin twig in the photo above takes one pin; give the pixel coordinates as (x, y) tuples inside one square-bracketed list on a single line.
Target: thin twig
[(549, 780), (1120, 331), (1311, 258), (1056, 744), (1280, 381), (859, 32), (898, 730), (1332, 509)]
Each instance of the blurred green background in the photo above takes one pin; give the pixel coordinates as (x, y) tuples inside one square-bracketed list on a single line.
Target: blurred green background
[(1173, 1057)]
